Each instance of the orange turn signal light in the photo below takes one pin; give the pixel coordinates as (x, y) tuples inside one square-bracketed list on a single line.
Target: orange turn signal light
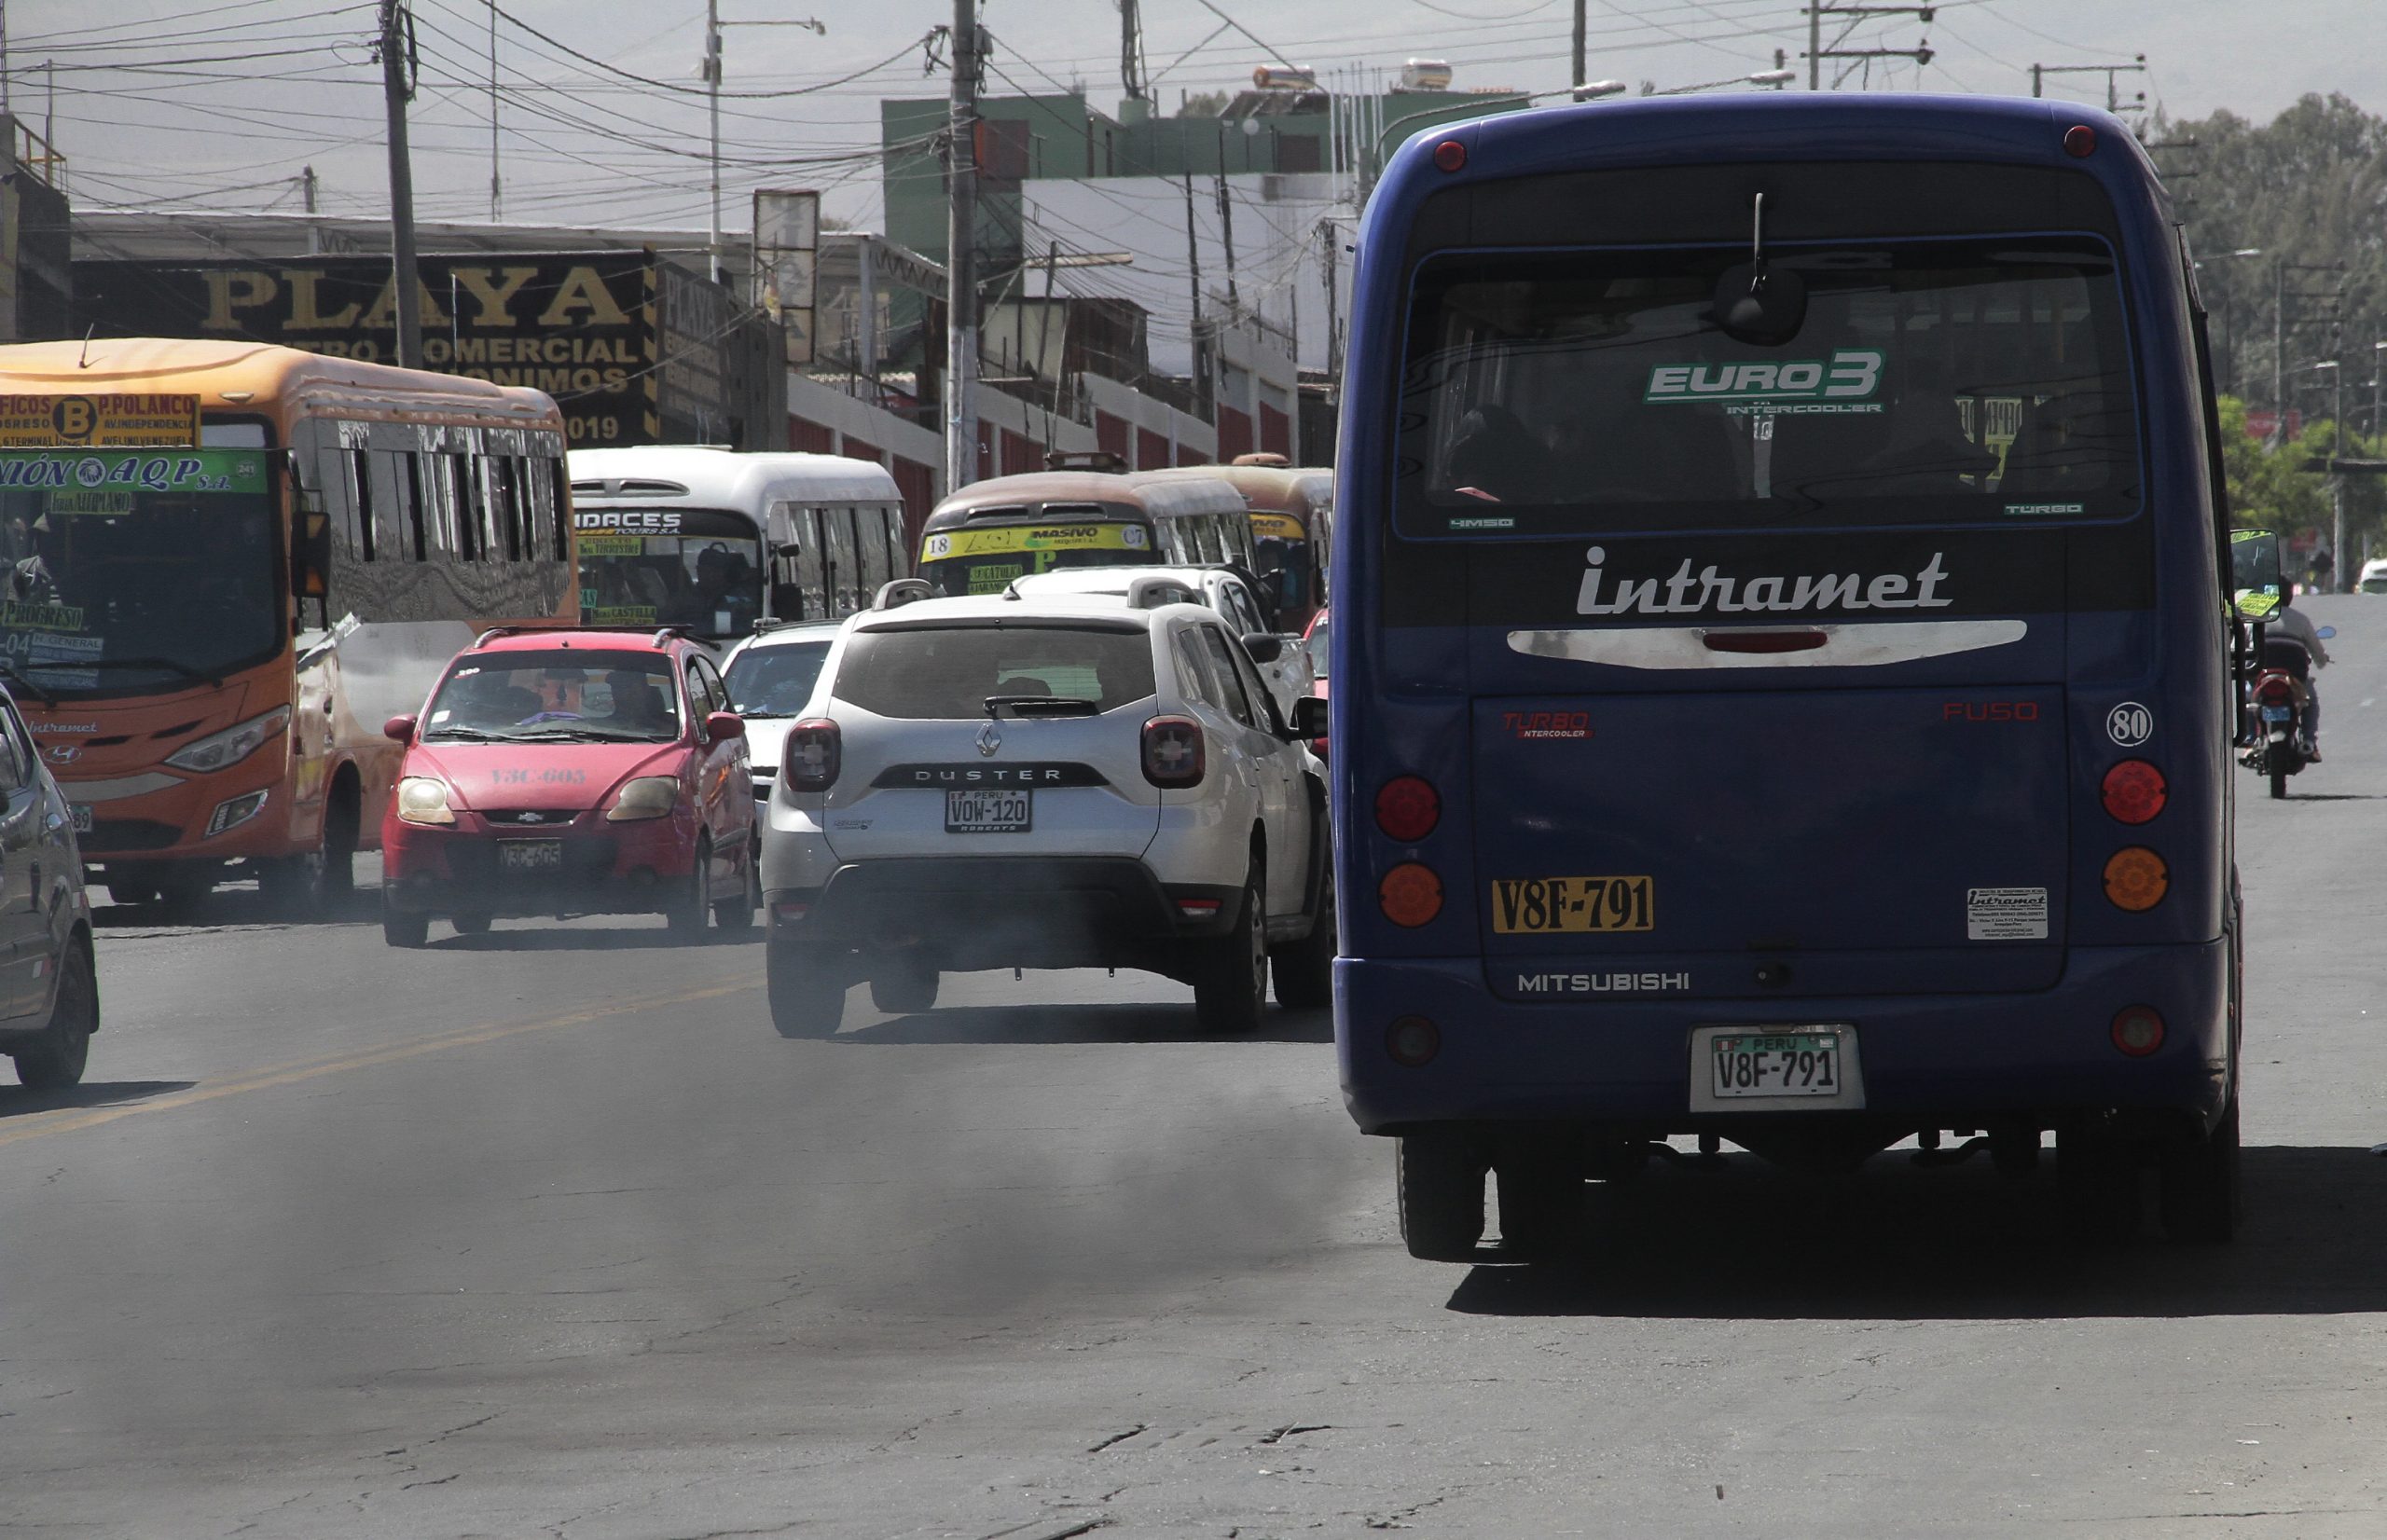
[(2136, 879), (1410, 894)]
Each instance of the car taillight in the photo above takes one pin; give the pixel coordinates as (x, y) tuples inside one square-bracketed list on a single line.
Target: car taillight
[(1409, 895), (816, 750), (1173, 753), (2136, 879), (2134, 791), (1408, 807)]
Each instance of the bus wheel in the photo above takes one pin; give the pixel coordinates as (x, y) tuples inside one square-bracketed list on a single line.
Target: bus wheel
[(2197, 1190), (129, 889), (2097, 1183), (470, 925), (1541, 1181), (808, 994), (905, 984), (1438, 1181)]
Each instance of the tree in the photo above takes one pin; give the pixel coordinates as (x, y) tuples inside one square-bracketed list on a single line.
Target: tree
[(2270, 489), (1203, 104)]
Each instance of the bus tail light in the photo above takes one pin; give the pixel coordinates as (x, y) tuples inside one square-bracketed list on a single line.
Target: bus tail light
[(1412, 1040), (2136, 879), (815, 752), (1409, 895), (1173, 753), (2134, 791), (2138, 1030), (1450, 156), (1408, 807), (2080, 141)]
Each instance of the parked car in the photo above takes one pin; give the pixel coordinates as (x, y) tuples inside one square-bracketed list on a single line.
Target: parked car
[(559, 771), (49, 996), (1015, 782), (2374, 577), (770, 677), (1314, 642), (1226, 589)]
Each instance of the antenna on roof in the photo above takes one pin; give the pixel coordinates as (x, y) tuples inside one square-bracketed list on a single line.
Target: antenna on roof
[(83, 361)]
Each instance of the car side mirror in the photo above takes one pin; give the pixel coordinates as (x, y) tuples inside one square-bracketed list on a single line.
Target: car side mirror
[(1263, 646), (1309, 718), (399, 729), (722, 726)]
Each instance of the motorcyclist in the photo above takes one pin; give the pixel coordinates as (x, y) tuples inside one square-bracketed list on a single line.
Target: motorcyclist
[(2290, 624)]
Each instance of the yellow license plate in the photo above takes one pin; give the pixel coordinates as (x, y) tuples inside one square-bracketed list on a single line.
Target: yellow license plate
[(1571, 906)]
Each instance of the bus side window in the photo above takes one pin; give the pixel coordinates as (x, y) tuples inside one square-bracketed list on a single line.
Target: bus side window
[(899, 555), (838, 526), (507, 497), (356, 514), (1168, 535), (810, 576), (396, 509), (468, 517), (871, 544), (553, 504)]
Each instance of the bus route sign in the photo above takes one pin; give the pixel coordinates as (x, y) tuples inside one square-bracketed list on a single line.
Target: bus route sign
[(102, 481), (127, 421)]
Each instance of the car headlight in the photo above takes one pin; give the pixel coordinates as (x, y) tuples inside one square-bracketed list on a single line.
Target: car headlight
[(231, 746), (423, 798), (647, 797)]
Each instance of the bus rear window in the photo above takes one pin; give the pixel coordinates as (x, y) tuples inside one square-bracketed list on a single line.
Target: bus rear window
[(947, 672), (1931, 382)]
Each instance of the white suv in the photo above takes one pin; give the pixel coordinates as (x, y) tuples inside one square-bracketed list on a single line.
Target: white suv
[(1226, 589), (1014, 783), (771, 676)]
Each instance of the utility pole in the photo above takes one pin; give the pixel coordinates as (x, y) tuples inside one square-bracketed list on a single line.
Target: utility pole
[(496, 183), (2111, 72), (1922, 53), (2279, 351), (2338, 482), (1334, 314), (1131, 50), (1226, 237), (307, 200), (961, 255), (1193, 278), (397, 90), (712, 103), (1577, 78)]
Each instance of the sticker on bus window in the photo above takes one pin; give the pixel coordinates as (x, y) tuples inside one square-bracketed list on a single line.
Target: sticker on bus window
[(1850, 375), (1004, 538), (993, 580), (2006, 913), (613, 546), (2044, 510), (17, 615)]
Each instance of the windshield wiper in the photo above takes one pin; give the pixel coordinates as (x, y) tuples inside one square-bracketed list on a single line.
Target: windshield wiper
[(584, 734), (1043, 706), (170, 665), (759, 711), (475, 733), (43, 691)]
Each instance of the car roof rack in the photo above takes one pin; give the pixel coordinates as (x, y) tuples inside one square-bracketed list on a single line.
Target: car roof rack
[(661, 632)]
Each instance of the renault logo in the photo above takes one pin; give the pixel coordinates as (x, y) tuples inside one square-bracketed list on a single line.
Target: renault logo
[(990, 740)]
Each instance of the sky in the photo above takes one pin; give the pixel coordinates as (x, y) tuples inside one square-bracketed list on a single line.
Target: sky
[(220, 103)]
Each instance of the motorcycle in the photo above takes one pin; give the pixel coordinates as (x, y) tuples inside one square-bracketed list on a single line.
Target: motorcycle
[(2281, 748)]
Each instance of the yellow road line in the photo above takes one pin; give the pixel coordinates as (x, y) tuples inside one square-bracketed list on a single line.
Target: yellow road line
[(66, 1121)]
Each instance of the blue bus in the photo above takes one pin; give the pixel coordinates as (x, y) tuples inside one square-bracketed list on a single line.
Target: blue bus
[(1782, 662)]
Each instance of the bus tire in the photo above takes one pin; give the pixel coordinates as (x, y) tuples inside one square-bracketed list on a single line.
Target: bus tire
[(1438, 1183), (400, 928), (2096, 1184), (343, 823), (1541, 1184), (129, 889), (56, 1062), (1231, 971), (2198, 1188), (905, 984), (470, 925), (807, 996)]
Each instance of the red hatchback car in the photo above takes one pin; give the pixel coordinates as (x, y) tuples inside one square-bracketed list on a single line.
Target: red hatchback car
[(570, 772)]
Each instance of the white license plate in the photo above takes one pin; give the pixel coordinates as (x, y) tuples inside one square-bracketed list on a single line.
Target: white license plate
[(2277, 713), (986, 812), (530, 855), (1803, 1065), (81, 813)]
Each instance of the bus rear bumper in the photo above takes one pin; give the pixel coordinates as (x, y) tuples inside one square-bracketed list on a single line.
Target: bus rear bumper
[(1939, 1061)]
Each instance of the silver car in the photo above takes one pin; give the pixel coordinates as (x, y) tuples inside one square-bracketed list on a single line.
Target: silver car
[(50, 997)]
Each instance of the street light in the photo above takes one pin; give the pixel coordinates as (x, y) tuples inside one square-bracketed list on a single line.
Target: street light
[(1763, 77), (2228, 318), (709, 70), (1593, 90)]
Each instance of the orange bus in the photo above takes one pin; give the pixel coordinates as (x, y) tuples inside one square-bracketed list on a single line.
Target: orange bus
[(227, 564)]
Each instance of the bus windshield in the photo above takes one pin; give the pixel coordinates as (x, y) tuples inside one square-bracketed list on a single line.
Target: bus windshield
[(131, 570), (1932, 382), (669, 567), (985, 559)]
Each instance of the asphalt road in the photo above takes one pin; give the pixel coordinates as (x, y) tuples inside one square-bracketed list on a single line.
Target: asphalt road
[(550, 1233)]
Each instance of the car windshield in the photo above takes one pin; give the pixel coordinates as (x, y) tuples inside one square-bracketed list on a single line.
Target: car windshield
[(775, 681), (1930, 381), (562, 696), (711, 584), (951, 671), (1315, 643), (131, 570)]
